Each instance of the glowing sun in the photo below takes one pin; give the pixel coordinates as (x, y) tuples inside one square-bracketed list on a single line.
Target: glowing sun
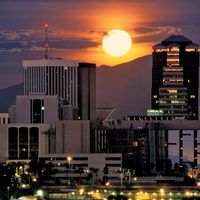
[(117, 43)]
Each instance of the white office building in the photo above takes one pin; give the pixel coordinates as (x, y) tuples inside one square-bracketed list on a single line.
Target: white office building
[(52, 77)]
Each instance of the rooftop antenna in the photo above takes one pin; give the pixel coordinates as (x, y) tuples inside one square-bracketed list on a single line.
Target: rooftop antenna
[(46, 46)]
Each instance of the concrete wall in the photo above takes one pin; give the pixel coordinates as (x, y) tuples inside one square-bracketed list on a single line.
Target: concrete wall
[(23, 110), (4, 143), (92, 160), (73, 136)]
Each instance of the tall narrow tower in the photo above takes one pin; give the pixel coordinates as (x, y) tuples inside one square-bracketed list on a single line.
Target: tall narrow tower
[(175, 77), (87, 91), (46, 45)]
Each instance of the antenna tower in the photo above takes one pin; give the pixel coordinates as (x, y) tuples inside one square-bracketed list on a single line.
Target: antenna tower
[(46, 46)]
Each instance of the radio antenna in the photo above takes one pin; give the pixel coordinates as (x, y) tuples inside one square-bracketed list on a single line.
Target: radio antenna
[(46, 45)]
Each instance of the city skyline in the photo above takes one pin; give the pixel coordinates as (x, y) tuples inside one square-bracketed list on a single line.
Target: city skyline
[(76, 29)]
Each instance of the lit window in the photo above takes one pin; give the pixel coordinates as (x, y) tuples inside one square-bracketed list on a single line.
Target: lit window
[(172, 91), (191, 49), (155, 96), (175, 101), (192, 96)]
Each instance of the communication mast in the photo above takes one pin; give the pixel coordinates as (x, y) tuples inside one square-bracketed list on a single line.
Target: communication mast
[(46, 46)]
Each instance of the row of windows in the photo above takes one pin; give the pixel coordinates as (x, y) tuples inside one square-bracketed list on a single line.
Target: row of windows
[(4, 120), (172, 101), (23, 142), (173, 91), (172, 107), (173, 96), (176, 112), (172, 75), (173, 80), (79, 158)]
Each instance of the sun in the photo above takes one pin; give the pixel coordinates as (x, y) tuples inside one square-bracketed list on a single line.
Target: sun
[(117, 43)]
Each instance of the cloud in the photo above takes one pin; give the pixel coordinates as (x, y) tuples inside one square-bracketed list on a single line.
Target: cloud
[(18, 40), (151, 34)]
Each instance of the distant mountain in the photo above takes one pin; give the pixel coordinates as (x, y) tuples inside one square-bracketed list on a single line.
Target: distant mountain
[(8, 96), (126, 87)]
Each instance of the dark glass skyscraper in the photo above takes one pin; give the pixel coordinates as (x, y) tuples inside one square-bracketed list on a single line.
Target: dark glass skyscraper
[(175, 77)]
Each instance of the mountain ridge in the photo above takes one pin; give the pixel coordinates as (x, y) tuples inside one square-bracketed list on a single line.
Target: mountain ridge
[(126, 87)]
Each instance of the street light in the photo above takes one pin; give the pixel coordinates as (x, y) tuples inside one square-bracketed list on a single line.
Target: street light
[(8, 190), (121, 177), (69, 158)]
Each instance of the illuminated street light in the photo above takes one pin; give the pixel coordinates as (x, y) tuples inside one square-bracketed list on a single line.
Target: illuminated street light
[(69, 158), (8, 190), (40, 193)]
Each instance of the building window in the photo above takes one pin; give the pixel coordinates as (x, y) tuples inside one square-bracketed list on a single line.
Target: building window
[(113, 165), (80, 158), (37, 108), (113, 158), (34, 142), (13, 143), (23, 143)]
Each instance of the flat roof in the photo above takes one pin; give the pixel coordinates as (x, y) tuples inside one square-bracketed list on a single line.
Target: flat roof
[(50, 62)]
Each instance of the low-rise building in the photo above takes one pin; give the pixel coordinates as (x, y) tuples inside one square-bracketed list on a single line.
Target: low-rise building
[(73, 167), (23, 141)]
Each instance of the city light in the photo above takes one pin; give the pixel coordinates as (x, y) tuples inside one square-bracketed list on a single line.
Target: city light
[(40, 193)]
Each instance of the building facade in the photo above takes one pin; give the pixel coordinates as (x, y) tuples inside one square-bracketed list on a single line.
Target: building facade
[(87, 91), (4, 118), (72, 136), (69, 165), (150, 144), (142, 147), (175, 77), (36, 109), (72, 82), (52, 77), (23, 141)]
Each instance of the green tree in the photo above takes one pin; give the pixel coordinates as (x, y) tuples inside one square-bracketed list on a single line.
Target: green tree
[(105, 177)]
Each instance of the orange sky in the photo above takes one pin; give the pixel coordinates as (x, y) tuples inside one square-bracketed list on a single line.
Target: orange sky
[(92, 21), (77, 27)]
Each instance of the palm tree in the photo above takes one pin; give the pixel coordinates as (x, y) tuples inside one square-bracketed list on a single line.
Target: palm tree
[(95, 171), (105, 171), (81, 171), (7, 180)]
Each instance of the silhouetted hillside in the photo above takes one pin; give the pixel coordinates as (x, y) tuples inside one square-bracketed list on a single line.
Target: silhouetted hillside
[(8, 96), (125, 87)]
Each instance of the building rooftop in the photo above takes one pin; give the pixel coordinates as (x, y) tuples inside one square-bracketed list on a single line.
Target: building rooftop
[(159, 46), (104, 113), (176, 38), (193, 45), (173, 45)]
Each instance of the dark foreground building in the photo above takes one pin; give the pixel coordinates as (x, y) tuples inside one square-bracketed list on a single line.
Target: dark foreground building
[(175, 77)]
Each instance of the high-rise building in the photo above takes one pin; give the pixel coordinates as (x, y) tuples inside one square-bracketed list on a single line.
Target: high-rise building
[(87, 91), (175, 77), (52, 77), (72, 82)]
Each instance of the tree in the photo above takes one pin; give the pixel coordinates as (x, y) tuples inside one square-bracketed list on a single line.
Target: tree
[(89, 176), (8, 182), (95, 171), (81, 171), (105, 177), (168, 164)]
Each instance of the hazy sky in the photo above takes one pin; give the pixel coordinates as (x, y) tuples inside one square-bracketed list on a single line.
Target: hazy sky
[(76, 29)]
